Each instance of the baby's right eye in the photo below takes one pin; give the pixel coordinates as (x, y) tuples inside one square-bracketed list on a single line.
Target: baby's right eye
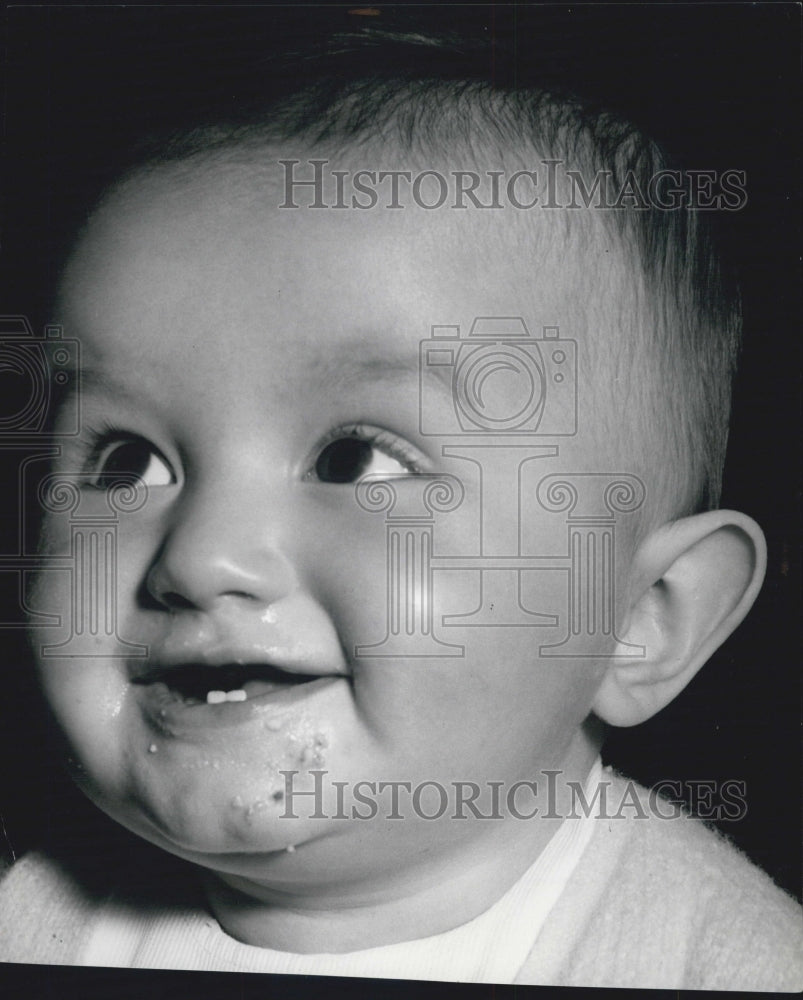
[(117, 462)]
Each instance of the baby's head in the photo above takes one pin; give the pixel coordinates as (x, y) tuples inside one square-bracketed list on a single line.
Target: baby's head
[(542, 555)]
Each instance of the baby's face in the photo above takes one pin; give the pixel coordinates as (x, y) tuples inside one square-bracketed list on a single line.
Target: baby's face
[(249, 365)]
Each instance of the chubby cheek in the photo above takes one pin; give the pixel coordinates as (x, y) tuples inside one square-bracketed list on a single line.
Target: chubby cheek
[(496, 702), (84, 600), (499, 708), (81, 609), (87, 702)]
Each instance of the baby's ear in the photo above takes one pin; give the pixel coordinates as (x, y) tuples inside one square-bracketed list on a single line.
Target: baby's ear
[(693, 581)]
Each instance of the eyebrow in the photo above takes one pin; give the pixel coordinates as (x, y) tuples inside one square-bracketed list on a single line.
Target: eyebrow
[(96, 378), (352, 366), (355, 365), (106, 383)]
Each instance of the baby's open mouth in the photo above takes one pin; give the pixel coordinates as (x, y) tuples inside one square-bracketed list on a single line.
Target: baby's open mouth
[(201, 684)]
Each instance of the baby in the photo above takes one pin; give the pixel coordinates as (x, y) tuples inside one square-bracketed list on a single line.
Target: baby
[(403, 407)]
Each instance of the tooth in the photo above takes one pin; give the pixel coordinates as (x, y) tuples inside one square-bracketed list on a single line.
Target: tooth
[(238, 695), (215, 697)]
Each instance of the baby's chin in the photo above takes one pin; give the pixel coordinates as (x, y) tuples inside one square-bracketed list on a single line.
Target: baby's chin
[(212, 824), (266, 851)]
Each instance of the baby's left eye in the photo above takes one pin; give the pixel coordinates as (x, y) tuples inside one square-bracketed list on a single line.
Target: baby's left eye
[(356, 454)]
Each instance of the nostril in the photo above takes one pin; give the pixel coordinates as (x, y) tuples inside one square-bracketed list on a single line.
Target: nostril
[(175, 601)]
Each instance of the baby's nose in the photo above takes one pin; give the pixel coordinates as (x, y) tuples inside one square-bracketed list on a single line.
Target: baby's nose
[(218, 547)]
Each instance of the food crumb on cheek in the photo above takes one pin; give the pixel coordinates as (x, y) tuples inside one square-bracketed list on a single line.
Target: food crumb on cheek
[(309, 747), (256, 807), (203, 764), (262, 802), (250, 809)]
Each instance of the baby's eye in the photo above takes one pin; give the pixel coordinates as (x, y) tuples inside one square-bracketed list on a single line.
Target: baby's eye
[(356, 452), (119, 461)]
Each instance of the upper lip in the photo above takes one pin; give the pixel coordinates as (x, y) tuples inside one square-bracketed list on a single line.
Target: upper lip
[(177, 657), (195, 680)]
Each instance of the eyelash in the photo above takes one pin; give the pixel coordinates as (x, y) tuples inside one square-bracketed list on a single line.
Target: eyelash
[(105, 434), (102, 435), (392, 445)]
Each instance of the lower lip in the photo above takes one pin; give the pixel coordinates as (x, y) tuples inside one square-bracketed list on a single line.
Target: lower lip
[(171, 714)]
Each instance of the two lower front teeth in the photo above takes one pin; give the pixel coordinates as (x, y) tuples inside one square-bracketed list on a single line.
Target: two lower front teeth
[(218, 697)]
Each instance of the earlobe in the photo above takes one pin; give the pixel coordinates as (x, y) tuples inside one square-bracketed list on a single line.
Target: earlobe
[(694, 580)]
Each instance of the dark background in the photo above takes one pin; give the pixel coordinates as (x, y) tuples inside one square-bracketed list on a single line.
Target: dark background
[(719, 85)]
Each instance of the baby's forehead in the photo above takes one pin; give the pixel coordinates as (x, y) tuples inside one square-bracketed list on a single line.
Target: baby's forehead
[(205, 221)]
